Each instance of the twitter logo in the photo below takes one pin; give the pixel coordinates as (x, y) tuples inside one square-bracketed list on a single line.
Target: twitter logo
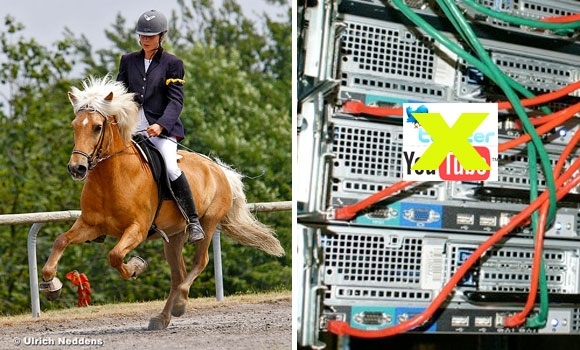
[(420, 109)]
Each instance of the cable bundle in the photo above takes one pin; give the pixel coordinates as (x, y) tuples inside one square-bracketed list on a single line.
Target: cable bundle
[(542, 207)]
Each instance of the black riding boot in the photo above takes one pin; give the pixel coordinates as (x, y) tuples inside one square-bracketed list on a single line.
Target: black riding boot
[(182, 192)]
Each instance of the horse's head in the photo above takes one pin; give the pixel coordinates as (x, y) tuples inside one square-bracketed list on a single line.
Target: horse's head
[(104, 104), (89, 132)]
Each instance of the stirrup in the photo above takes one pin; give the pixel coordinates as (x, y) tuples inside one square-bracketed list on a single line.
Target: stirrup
[(194, 231)]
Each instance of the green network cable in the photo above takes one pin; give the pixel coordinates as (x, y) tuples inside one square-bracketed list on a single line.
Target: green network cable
[(453, 12), (490, 69), (528, 127), (523, 90), (539, 320)]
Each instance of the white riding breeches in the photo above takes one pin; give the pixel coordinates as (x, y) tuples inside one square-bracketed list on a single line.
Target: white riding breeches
[(167, 147)]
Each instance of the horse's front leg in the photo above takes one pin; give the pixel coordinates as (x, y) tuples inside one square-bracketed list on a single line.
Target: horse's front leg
[(131, 238), (80, 232)]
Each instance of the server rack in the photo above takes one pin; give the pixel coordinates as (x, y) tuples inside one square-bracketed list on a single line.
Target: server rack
[(389, 261)]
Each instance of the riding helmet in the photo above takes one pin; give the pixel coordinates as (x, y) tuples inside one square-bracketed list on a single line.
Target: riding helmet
[(151, 23)]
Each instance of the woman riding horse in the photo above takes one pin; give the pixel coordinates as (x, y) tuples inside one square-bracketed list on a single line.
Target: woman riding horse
[(120, 197), (156, 78)]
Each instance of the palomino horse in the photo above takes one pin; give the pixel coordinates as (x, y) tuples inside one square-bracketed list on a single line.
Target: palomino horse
[(120, 197)]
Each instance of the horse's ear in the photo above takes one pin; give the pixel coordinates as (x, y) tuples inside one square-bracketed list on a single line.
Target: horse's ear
[(109, 97), (72, 98)]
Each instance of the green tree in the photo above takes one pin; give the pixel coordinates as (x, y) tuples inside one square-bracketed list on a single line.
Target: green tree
[(33, 123)]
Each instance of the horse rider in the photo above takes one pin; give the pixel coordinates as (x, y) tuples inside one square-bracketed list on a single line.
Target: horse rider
[(156, 78)]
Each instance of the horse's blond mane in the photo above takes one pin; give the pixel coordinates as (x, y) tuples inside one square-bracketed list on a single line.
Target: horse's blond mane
[(93, 95)]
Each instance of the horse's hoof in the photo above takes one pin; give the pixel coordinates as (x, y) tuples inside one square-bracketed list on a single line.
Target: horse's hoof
[(52, 296), (138, 264), (178, 309), (156, 323), (51, 289)]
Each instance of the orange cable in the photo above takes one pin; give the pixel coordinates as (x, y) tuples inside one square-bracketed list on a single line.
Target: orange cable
[(555, 119), (357, 107), (543, 98), (519, 318), (342, 327), (349, 211), (549, 122), (560, 117), (562, 19)]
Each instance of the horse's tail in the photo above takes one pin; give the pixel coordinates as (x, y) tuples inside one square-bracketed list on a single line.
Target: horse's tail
[(240, 224)]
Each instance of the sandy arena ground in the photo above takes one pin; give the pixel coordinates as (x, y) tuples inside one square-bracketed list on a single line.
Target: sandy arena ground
[(235, 323)]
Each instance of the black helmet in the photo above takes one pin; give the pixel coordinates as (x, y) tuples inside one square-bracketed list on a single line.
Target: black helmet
[(151, 23)]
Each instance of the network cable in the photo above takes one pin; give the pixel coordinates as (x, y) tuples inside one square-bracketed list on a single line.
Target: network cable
[(565, 183), (564, 24), (357, 107), (534, 149), (542, 203)]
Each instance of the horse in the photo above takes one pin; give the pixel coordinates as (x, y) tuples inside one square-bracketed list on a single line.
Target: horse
[(120, 197)]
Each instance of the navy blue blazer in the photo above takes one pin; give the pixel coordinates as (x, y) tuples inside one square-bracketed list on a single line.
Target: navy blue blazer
[(159, 91)]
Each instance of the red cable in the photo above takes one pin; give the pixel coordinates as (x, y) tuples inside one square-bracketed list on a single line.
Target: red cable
[(519, 318), (349, 211), (538, 120), (342, 327), (543, 98), (562, 19), (357, 107), (345, 213), (546, 118), (559, 118)]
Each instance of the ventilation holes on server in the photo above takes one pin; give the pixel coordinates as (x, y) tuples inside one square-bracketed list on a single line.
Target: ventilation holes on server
[(376, 293), (367, 152), (380, 50), (544, 10), (575, 325), (358, 258)]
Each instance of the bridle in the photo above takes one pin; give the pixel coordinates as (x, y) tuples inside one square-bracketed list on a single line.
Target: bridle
[(95, 157)]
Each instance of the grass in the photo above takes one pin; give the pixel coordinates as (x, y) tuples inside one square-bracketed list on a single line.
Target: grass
[(134, 309)]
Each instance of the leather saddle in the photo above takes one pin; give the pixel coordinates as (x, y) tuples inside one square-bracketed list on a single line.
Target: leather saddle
[(154, 158)]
